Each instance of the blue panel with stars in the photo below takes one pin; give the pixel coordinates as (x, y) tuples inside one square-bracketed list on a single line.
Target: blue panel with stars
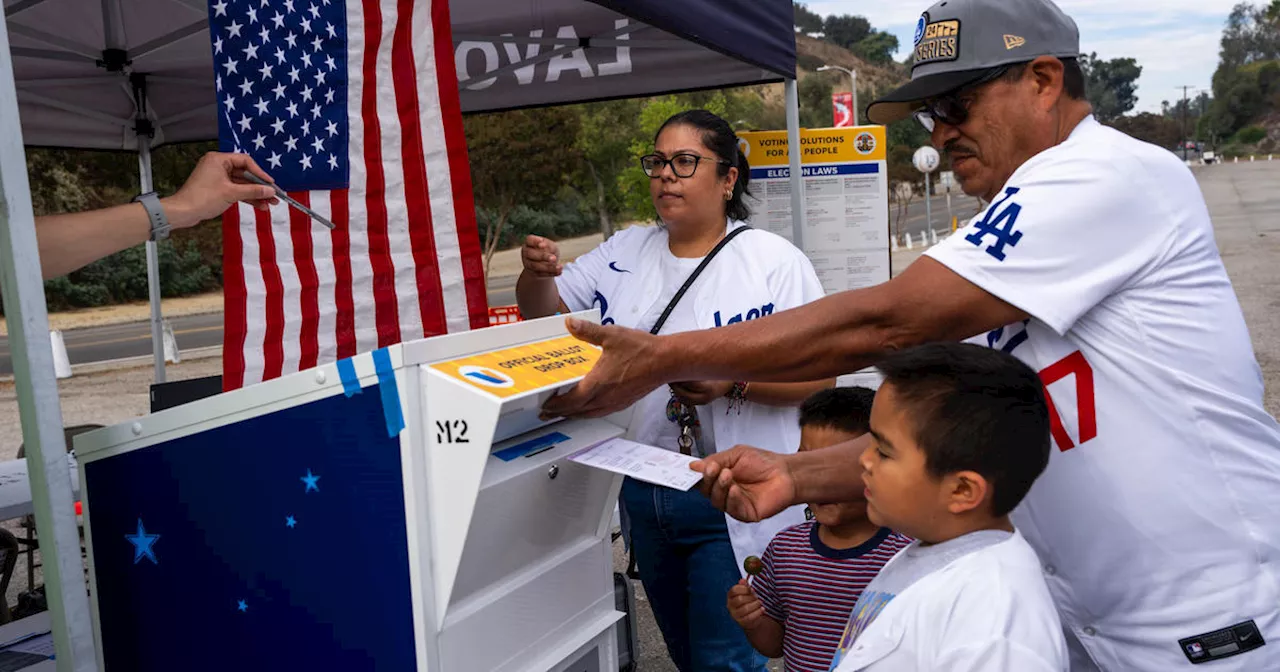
[(281, 79), (275, 543)]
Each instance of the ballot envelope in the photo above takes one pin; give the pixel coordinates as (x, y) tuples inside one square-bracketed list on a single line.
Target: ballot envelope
[(404, 509)]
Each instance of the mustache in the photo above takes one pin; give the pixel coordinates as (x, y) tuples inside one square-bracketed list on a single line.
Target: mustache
[(955, 150)]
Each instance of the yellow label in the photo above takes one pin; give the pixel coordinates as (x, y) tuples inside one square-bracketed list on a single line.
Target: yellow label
[(507, 373), (821, 145)]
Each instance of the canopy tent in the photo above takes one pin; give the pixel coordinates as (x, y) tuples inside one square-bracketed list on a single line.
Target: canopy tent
[(139, 73)]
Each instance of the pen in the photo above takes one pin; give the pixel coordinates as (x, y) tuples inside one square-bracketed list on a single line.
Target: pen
[(285, 197)]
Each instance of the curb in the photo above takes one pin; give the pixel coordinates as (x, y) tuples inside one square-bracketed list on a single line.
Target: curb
[(132, 362)]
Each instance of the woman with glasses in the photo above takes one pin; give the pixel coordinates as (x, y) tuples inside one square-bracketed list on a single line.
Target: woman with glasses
[(687, 552)]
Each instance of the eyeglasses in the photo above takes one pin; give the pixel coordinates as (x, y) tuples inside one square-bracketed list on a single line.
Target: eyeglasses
[(952, 109), (683, 165)]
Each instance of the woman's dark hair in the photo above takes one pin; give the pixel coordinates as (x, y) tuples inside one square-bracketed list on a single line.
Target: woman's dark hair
[(720, 139)]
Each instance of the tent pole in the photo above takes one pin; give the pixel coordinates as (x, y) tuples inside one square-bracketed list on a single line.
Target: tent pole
[(37, 391), (143, 129), (797, 179)]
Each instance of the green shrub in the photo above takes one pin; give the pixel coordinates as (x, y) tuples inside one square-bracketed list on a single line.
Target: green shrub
[(1250, 135)]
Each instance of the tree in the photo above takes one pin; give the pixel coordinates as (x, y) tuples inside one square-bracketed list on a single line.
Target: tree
[(878, 47), (604, 140), (1111, 86), (519, 158), (846, 30), (1157, 129), (806, 21)]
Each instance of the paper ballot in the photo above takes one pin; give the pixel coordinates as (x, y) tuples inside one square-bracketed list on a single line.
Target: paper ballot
[(645, 463)]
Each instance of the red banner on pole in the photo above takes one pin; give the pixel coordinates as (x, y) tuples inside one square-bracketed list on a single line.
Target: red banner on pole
[(842, 109)]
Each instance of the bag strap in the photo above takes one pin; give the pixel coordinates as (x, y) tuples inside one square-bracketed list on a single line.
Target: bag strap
[(657, 326)]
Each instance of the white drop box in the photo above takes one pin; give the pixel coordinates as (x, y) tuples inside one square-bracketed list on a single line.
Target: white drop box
[(296, 525)]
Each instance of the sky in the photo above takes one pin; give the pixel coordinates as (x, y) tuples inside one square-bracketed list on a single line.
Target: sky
[(1175, 41)]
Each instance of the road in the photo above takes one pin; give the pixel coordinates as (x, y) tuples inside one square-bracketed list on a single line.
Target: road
[(100, 344)]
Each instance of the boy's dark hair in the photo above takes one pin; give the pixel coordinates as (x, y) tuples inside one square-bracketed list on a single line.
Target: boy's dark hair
[(847, 409), (977, 409)]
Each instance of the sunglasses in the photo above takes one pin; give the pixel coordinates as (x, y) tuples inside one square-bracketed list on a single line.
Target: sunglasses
[(952, 108)]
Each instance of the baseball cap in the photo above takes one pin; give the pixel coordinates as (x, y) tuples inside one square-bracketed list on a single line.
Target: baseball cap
[(960, 42)]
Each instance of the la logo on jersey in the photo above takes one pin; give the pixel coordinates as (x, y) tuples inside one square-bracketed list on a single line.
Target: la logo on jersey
[(754, 313), (1002, 212)]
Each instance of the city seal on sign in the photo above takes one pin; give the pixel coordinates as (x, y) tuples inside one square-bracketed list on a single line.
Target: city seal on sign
[(483, 375), (744, 148), (865, 143)]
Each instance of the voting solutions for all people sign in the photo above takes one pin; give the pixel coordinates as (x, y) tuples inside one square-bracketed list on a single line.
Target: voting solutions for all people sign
[(846, 232)]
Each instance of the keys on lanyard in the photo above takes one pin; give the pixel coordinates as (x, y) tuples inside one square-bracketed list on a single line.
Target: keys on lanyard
[(686, 417)]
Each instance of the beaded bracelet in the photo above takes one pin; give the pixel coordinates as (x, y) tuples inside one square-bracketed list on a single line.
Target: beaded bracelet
[(737, 397)]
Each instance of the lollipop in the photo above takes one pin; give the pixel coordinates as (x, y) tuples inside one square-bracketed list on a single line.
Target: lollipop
[(753, 565)]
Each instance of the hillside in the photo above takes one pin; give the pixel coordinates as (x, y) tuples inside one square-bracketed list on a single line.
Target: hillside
[(811, 53)]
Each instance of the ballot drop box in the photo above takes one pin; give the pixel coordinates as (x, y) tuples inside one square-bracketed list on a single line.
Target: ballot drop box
[(404, 509)]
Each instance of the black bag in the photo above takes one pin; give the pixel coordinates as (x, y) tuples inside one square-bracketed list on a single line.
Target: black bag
[(624, 599)]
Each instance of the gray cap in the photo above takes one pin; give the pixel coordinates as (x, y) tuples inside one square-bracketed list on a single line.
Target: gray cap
[(959, 42)]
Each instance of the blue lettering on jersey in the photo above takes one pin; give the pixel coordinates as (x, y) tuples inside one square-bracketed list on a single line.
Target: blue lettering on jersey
[(991, 227), (1014, 341), (754, 313), (604, 308)]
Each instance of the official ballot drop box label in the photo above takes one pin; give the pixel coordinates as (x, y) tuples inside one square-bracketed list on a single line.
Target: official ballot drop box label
[(513, 371), (846, 185)]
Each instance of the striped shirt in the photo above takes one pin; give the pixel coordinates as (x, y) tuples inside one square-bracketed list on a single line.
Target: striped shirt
[(810, 588)]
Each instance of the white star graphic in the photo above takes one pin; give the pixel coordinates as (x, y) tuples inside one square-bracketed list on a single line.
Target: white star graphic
[(306, 25), (328, 60), (291, 144), (293, 74), (279, 90), (279, 55), (246, 87), (250, 52), (306, 128), (259, 142), (306, 162), (220, 9), (253, 15), (317, 145), (306, 94), (234, 29), (217, 82), (266, 3), (333, 162), (315, 11), (230, 102), (293, 109), (306, 60), (230, 65), (274, 160), (332, 128), (328, 96), (319, 77), (315, 112), (288, 6), (262, 106), (244, 122), (217, 46), (317, 43), (278, 126), (328, 28), (265, 35), (278, 19), (266, 71), (292, 40)]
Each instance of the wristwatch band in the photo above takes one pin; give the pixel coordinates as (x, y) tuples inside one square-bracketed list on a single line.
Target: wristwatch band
[(155, 212)]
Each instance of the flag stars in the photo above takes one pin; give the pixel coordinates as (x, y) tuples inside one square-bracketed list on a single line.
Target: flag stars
[(278, 19), (306, 94), (220, 9), (278, 126), (306, 128), (317, 145), (328, 60), (288, 6), (310, 480), (306, 162), (217, 82), (306, 25), (231, 65), (306, 60), (290, 522), (328, 96), (244, 122), (292, 40), (279, 90), (315, 11), (332, 128), (333, 162), (229, 103), (315, 112), (261, 106), (246, 87), (317, 43), (333, 33), (319, 77), (291, 144), (217, 46), (233, 29), (266, 71), (292, 107), (250, 52), (264, 35), (274, 160), (279, 56), (253, 15), (259, 142), (293, 74)]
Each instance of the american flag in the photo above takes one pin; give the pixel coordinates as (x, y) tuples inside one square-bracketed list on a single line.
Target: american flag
[(353, 108)]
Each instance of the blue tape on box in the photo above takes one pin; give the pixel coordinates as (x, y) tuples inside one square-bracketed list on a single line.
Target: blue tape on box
[(530, 447), (347, 374), (390, 394)]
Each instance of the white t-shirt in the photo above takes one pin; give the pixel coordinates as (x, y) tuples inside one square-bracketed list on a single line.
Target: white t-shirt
[(976, 603), (1158, 517), (632, 277)]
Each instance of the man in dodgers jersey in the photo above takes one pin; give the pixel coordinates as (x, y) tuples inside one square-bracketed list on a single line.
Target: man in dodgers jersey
[(1158, 518)]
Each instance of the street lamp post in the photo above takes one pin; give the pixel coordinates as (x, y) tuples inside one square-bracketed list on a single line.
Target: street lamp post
[(853, 81)]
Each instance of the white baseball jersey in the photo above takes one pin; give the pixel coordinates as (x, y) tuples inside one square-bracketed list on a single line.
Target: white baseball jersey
[(1158, 518), (632, 277)]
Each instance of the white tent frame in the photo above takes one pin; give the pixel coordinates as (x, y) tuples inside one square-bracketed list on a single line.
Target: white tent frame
[(22, 286)]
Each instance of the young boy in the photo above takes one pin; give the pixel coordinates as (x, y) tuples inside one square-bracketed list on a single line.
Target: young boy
[(813, 572), (959, 434)]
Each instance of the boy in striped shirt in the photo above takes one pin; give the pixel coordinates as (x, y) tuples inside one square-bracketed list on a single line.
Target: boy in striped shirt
[(814, 572)]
